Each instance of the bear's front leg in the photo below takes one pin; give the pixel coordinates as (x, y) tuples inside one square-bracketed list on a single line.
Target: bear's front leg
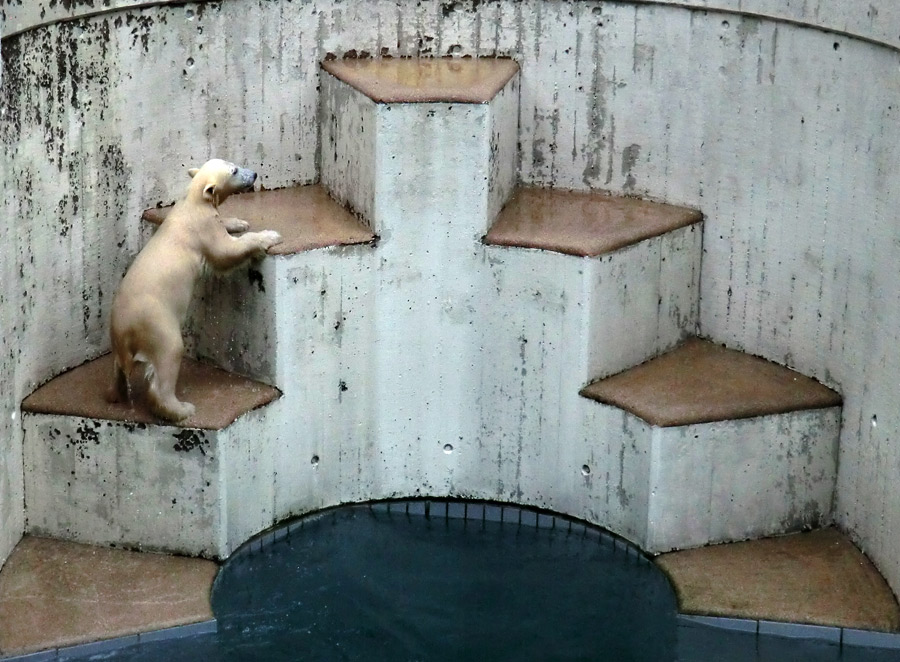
[(226, 252)]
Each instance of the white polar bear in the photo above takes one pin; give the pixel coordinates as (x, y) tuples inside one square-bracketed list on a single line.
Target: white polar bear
[(152, 301)]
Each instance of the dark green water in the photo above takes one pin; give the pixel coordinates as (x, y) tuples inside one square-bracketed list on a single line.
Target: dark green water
[(358, 584), (384, 584)]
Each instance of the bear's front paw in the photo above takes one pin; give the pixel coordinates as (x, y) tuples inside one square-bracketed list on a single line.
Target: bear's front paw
[(236, 225), (269, 238)]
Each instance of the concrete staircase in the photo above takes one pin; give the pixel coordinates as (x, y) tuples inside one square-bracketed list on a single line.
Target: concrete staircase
[(437, 341), (734, 447)]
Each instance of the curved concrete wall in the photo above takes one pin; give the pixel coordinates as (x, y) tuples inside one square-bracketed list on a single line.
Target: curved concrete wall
[(875, 20), (784, 135)]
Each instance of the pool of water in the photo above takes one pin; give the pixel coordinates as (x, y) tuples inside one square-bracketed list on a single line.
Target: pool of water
[(440, 581)]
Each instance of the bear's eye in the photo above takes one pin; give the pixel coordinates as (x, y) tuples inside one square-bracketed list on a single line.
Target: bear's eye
[(234, 170)]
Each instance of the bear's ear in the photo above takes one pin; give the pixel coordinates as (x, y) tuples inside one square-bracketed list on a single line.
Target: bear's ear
[(209, 192), (193, 171)]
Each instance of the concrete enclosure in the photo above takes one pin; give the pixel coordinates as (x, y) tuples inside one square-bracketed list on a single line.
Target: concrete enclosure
[(777, 120)]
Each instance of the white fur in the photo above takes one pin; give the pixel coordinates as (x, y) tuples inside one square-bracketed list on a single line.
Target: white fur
[(152, 302)]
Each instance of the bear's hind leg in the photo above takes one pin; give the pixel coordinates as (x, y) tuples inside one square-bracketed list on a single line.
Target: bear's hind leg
[(161, 392), (118, 390)]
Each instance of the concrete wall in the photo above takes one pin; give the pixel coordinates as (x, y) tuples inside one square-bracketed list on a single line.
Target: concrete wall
[(786, 136), (876, 20)]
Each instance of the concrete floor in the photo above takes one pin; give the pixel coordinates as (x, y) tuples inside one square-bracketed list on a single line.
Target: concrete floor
[(818, 577), (55, 593)]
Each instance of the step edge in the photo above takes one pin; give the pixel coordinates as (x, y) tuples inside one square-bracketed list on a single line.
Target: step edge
[(332, 67), (665, 422)]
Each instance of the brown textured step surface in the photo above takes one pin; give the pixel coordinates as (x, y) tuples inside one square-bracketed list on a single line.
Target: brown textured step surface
[(219, 396), (582, 223), (422, 80), (55, 593), (700, 382), (305, 216), (818, 577)]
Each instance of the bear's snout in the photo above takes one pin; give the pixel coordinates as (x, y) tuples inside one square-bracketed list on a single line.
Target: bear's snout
[(247, 178)]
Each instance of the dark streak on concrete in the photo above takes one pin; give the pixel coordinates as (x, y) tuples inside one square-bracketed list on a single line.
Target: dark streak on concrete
[(189, 439), (256, 278), (629, 158)]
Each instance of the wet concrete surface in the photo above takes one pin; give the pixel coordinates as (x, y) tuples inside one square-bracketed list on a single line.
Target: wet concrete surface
[(219, 396), (56, 593), (422, 80), (305, 216), (582, 223), (818, 577), (700, 382)]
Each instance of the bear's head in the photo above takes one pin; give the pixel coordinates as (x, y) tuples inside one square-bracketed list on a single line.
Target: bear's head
[(216, 179)]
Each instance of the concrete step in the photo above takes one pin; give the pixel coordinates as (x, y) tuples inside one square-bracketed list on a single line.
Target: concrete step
[(301, 319), (111, 474), (237, 319), (306, 217), (702, 382), (58, 594), (818, 577), (583, 223), (722, 446), (581, 285), (425, 80), (219, 396), (420, 134), (608, 282), (428, 164)]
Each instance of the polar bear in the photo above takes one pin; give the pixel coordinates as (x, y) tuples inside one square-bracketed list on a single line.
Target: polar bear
[(152, 301)]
